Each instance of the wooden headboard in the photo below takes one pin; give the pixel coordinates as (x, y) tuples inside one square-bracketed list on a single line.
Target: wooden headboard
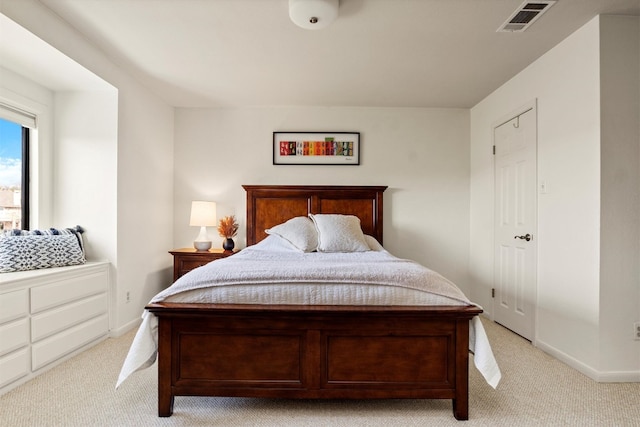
[(270, 205)]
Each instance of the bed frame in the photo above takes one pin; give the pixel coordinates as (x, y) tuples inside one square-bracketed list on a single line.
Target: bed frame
[(313, 352)]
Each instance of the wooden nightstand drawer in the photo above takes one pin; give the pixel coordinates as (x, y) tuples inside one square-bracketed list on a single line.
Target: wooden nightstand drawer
[(187, 259), (188, 264)]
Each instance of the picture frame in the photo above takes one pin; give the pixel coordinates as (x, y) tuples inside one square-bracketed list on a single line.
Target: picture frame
[(316, 148)]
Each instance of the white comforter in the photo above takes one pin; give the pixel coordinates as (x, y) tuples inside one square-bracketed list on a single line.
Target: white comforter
[(272, 273)]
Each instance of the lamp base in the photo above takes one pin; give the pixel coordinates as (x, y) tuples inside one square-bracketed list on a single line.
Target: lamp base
[(202, 246)]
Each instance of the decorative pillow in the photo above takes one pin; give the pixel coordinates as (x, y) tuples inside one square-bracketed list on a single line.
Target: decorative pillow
[(30, 250), (339, 233), (76, 231), (298, 231)]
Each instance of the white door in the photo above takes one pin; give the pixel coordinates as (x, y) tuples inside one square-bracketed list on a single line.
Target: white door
[(515, 224)]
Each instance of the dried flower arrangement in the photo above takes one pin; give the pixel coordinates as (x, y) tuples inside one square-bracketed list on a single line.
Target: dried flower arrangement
[(228, 227)]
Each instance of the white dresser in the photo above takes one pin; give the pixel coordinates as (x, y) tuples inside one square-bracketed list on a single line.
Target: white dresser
[(48, 315)]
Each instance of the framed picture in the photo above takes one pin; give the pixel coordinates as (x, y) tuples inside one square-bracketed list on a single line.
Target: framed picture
[(316, 148)]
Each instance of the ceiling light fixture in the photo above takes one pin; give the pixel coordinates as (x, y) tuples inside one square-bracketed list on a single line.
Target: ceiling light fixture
[(313, 14)]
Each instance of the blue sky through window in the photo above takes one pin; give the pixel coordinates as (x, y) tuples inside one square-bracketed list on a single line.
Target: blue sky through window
[(10, 154)]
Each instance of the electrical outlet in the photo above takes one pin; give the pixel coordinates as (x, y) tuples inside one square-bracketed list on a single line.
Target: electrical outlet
[(128, 297), (636, 331)]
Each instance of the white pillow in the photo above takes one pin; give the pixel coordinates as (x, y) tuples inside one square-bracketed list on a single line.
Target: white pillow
[(339, 233), (274, 243), (298, 231), (373, 244)]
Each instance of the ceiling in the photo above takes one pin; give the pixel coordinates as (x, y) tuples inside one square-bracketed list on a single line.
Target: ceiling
[(29, 56), (378, 53)]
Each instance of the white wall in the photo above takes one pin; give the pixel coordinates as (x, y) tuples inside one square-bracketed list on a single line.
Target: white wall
[(85, 151), (139, 167), (145, 198), (566, 84), (421, 154), (620, 210)]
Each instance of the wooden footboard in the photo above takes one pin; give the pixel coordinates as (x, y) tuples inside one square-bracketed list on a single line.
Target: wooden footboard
[(313, 352)]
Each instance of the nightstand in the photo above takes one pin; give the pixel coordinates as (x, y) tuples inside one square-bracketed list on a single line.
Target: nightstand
[(186, 259)]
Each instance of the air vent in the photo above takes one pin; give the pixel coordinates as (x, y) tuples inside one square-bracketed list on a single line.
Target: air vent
[(525, 15)]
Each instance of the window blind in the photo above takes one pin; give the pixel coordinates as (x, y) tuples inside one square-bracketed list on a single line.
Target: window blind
[(16, 115)]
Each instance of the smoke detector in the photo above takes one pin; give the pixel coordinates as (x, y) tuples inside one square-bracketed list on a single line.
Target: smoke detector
[(525, 15)]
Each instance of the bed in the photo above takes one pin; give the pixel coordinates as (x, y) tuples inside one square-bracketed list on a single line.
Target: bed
[(311, 351)]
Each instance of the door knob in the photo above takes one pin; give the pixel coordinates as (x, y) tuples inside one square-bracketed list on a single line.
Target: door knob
[(526, 237)]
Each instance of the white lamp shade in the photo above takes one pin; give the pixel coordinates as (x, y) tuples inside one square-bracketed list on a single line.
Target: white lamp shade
[(313, 14), (203, 214)]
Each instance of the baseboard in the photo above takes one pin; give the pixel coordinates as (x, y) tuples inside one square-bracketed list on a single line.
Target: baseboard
[(115, 333), (598, 376), (619, 377)]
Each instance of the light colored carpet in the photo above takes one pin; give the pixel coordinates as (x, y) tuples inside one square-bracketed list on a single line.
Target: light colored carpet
[(536, 390)]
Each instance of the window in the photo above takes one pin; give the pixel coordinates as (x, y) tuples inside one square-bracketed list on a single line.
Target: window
[(14, 168)]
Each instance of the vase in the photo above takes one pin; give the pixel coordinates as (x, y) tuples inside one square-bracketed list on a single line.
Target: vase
[(228, 244)]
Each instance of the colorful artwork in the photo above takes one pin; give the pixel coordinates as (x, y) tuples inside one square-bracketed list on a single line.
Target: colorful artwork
[(316, 148)]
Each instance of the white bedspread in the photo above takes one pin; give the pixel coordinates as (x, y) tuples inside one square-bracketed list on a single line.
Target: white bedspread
[(269, 273)]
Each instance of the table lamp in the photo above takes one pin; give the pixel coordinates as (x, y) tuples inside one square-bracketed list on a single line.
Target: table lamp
[(203, 215)]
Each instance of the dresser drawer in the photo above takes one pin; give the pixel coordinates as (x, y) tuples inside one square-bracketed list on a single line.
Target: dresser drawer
[(188, 264), (72, 289), (14, 335), (48, 315), (14, 366), (14, 305), (60, 318), (54, 347), (187, 259)]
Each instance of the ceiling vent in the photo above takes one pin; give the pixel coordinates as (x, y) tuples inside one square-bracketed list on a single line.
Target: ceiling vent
[(525, 15)]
